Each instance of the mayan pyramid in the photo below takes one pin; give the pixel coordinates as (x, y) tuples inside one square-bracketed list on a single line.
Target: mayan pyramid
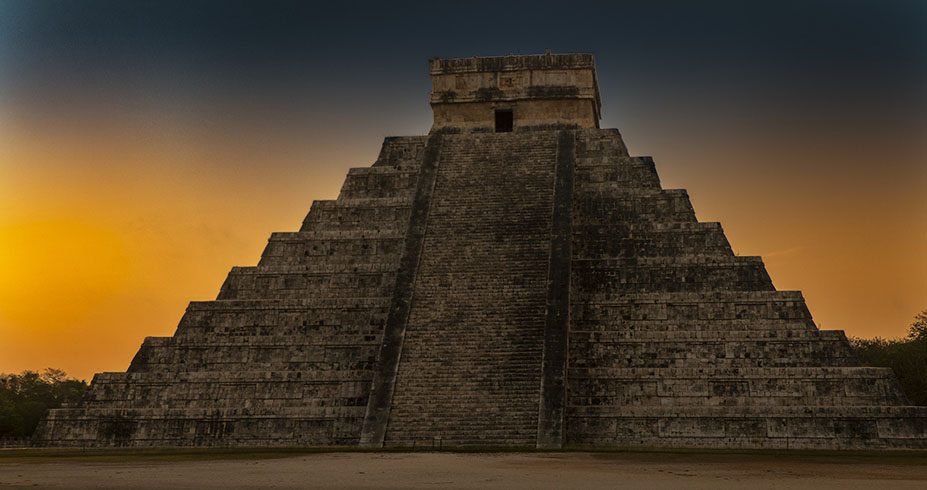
[(514, 278)]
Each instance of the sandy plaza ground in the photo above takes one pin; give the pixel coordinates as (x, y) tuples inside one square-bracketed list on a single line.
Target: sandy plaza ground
[(485, 471)]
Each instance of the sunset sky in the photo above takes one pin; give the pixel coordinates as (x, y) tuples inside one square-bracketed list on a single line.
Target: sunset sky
[(147, 147)]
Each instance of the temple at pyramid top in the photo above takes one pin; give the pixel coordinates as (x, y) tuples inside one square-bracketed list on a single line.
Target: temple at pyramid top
[(515, 93)]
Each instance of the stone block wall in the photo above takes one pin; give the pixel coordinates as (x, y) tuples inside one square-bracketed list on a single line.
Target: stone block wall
[(539, 90), (675, 341)]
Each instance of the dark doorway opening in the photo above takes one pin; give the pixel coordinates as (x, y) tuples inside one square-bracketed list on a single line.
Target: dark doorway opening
[(504, 121)]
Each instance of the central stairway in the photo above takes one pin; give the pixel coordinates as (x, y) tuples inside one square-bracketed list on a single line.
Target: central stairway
[(470, 368)]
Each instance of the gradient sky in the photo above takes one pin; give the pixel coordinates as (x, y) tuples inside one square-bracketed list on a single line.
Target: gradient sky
[(147, 147)]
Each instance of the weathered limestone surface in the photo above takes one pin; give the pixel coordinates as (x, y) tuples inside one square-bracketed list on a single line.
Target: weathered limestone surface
[(477, 288), (285, 355), (675, 341), (541, 91)]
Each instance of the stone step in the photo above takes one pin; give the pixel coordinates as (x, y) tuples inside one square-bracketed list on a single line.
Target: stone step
[(258, 283), (688, 311), (607, 202), (712, 386), (601, 162), (354, 246), (174, 400), (335, 235), (646, 299), (794, 411), (310, 392), (650, 239), (262, 318), (472, 432), (591, 162), (340, 339), (244, 363), (598, 279), (197, 354), (234, 377), (807, 427), (231, 394), (375, 214), (525, 378), (623, 173), (723, 373), (274, 426), (401, 151), (316, 268), (698, 350), (723, 363), (597, 142), (646, 227), (668, 262), (404, 201), (261, 307), (352, 332), (157, 413), (612, 322), (708, 335), (916, 414), (379, 182), (614, 393), (471, 401)]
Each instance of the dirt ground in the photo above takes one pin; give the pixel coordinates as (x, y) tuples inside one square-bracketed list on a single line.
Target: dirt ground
[(469, 471)]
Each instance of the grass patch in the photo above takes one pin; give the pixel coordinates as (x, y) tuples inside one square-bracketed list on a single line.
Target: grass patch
[(618, 454), (712, 455), (166, 454)]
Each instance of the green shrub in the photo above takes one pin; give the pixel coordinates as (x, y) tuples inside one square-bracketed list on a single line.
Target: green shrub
[(25, 397), (907, 357)]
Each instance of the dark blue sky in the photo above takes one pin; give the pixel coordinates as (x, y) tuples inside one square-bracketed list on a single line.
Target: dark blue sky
[(175, 136), (845, 49), (797, 64)]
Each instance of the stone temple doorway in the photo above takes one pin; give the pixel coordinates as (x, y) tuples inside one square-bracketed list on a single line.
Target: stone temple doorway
[(504, 120)]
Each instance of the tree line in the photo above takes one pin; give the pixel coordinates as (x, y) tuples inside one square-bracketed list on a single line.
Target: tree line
[(906, 356), (25, 397)]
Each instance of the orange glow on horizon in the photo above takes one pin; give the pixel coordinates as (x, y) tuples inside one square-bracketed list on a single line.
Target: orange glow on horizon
[(109, 228)]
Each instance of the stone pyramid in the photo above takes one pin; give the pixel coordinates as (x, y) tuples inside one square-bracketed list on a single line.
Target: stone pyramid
[(514, 278)]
